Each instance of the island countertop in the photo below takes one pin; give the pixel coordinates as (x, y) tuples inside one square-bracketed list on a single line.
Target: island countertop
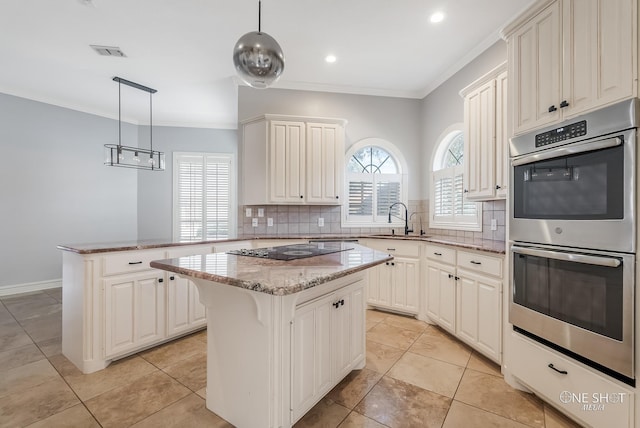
[(275, 277)]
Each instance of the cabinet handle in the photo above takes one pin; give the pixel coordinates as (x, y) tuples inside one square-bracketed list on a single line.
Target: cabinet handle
[(456, 278), (450, 276), (391, 249), (552, 109), (465, 191), (172, 278), (559, 371), (135, 263), (473, 262), (438, 254), (564, 104), (342, 302), (160, 280), (498, 187)]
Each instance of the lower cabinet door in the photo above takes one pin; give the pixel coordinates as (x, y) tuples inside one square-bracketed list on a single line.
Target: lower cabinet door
[(406, 277), (184, 310), (311, 354), (479, 313), (341, 335), (134, 312)]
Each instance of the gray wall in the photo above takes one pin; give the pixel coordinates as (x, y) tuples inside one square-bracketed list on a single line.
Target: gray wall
[(155, 199), (444, 106), (394, 119), (55, 189)]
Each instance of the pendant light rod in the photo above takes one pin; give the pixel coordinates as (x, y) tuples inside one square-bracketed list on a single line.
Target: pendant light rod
[(259, 15), (119, 114)]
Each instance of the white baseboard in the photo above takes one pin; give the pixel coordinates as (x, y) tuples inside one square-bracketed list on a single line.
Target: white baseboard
[(7, 290)]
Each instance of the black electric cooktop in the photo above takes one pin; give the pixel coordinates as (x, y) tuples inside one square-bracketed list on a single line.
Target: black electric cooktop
[(292, 252)]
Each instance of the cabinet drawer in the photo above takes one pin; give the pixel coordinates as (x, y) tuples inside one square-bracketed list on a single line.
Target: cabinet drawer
[(441, 254), (395, 247), (582, 393), (480, 263), (130, 261)]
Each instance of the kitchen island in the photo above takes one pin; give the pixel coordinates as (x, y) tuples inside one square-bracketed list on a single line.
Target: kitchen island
[(280, 333)]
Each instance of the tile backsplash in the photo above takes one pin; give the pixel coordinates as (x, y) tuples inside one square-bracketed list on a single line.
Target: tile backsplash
[(303, 220)]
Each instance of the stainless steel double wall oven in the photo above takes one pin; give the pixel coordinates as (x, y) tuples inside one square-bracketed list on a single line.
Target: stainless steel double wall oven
[(573, 237)]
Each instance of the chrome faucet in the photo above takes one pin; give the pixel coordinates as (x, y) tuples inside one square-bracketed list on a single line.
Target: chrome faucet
[(406, 216)]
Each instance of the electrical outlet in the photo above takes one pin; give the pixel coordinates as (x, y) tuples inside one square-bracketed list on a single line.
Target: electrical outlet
[(320, 222), (494, 224), (260, 212), (254, 222), (269, 222), (247, 212)]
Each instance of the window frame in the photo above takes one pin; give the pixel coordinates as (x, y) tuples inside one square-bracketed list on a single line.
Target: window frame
[(374, 220), (472, 223), (233, 204)]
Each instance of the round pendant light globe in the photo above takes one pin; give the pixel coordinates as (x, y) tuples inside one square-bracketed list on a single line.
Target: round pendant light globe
[(258, 59)]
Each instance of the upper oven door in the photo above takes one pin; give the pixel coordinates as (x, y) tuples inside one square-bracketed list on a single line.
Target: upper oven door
[(578, 195)]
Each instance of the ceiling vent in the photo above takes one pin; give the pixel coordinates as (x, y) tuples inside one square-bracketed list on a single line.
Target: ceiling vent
[(108, 50)]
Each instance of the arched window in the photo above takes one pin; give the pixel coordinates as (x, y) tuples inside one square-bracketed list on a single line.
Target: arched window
[(449, 209), (376, 176)]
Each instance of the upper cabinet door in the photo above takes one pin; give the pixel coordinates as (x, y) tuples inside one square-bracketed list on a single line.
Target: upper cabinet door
[(287, 162), (502, 136), (599, 53), (325, 163), (535, 55), (480, 127)]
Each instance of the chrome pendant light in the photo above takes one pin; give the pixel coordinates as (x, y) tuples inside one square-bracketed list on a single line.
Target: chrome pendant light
[(258, 58), (134, 157)]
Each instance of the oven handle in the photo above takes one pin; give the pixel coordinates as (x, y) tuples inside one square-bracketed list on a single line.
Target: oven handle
[(568, 150), (569, 257)]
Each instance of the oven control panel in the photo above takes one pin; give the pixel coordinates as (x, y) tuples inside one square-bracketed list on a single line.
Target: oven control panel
[(567, 132)]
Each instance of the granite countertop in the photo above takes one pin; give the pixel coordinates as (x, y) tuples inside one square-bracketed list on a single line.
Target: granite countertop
[(275, 276), (497, 247)]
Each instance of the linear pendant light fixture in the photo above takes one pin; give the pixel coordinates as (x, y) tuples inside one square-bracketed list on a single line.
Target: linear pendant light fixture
[(258, 58), (133, 157)]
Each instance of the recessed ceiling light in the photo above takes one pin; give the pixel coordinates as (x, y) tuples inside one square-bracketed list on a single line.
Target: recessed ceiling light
[(330, 59), (437, 17)]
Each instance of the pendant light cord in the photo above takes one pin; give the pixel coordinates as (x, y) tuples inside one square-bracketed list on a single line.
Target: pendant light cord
[(259, 15), (151, 125)]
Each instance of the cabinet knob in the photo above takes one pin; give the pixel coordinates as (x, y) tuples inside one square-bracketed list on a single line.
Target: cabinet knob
[(450, 276), (465, 191), (342, 302), (301, 196), (552, 109), (456, 278), (160, 279), (564, 104), (172, 278), (337, 197), (498, 187), (393, 264)]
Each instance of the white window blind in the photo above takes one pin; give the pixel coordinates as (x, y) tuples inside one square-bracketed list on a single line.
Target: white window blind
[(374, 182), (449, 208), (203, 197)]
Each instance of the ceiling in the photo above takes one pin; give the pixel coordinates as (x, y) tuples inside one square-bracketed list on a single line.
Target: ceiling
[(183, 49)]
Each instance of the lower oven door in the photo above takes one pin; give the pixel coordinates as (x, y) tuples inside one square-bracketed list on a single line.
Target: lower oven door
[(580, 301)]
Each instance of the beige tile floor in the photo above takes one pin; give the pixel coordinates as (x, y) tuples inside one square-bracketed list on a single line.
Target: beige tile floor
[(416, 376)]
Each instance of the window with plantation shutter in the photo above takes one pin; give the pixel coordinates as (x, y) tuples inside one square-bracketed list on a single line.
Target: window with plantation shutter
[(203, 196), (449, 208), (374, 181)]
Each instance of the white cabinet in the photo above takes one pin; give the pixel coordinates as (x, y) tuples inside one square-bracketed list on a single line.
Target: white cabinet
[(292, 160), (395, 284), (567, 57), (134, 312), (327, 341), (485, 176), (464, 296), (287, 174), (572, 387), (184, 310), (441, 286)]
